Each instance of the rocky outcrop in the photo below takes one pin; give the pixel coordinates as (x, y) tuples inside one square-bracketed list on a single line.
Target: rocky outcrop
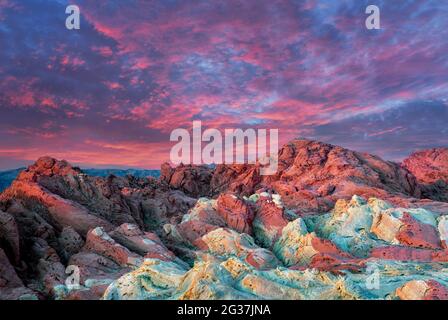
[(193, 180), (430, 167), (399, 227), (299, 248), (330, 224), (62, 212), (54, 217), (11, 286), (422, 290), (226, 243), (313, 175), (236, 212), (9, 236), (100, 242), (270, 218)]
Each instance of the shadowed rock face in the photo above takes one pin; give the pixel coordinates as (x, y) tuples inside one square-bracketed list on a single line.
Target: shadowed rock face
[(318, 229)]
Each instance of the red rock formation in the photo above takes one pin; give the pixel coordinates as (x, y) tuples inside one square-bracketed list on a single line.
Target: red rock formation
[(401, 253), (53, 216), (193, 180), (311, 176), (334, 264), (63, 212), (236, 212), (49, 209), (100, 242), (416, 234), (145, 244), (192, 231), (269, 221), (422, 290), (430, 167)]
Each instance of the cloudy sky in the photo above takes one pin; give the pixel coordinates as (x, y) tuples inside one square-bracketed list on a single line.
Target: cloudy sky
[(110, 93)]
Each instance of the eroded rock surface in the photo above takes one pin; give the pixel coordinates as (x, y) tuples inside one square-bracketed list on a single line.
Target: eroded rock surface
[(331, 224), (430, 167)]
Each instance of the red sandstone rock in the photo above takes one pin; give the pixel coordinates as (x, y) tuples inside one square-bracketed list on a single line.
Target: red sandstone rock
[(324, 255), (144, 243), (430, 167), (63, 212), (422, 290), (269, 221), (193, 180), (416, 234), (436, 291), (335, 264), (236, 212), (100, 242), (313, 175), (401, 253), (192, 231), (47, 166), (241, 179), (54, 205)]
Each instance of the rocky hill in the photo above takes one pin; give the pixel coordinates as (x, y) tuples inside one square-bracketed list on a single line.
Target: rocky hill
[(430, 167), (331, 224), (7, 177)]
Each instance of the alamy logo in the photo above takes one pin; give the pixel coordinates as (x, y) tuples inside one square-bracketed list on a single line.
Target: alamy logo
[(72, 281), (373, 278), (373, 20), (232, 151), (73, 20)]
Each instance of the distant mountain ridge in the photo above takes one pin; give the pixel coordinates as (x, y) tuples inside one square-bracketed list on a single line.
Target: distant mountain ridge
[(7, 177)]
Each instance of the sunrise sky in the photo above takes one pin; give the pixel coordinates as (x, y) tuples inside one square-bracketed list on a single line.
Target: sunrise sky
[(109, 94)]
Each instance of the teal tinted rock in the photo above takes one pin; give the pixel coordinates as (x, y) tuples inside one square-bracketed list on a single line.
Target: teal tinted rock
[(348, 226), (155, 279), (226, 243), (232, 266), (290, 246)]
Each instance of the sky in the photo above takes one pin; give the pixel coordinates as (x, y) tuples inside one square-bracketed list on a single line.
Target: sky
[(109, 94)]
